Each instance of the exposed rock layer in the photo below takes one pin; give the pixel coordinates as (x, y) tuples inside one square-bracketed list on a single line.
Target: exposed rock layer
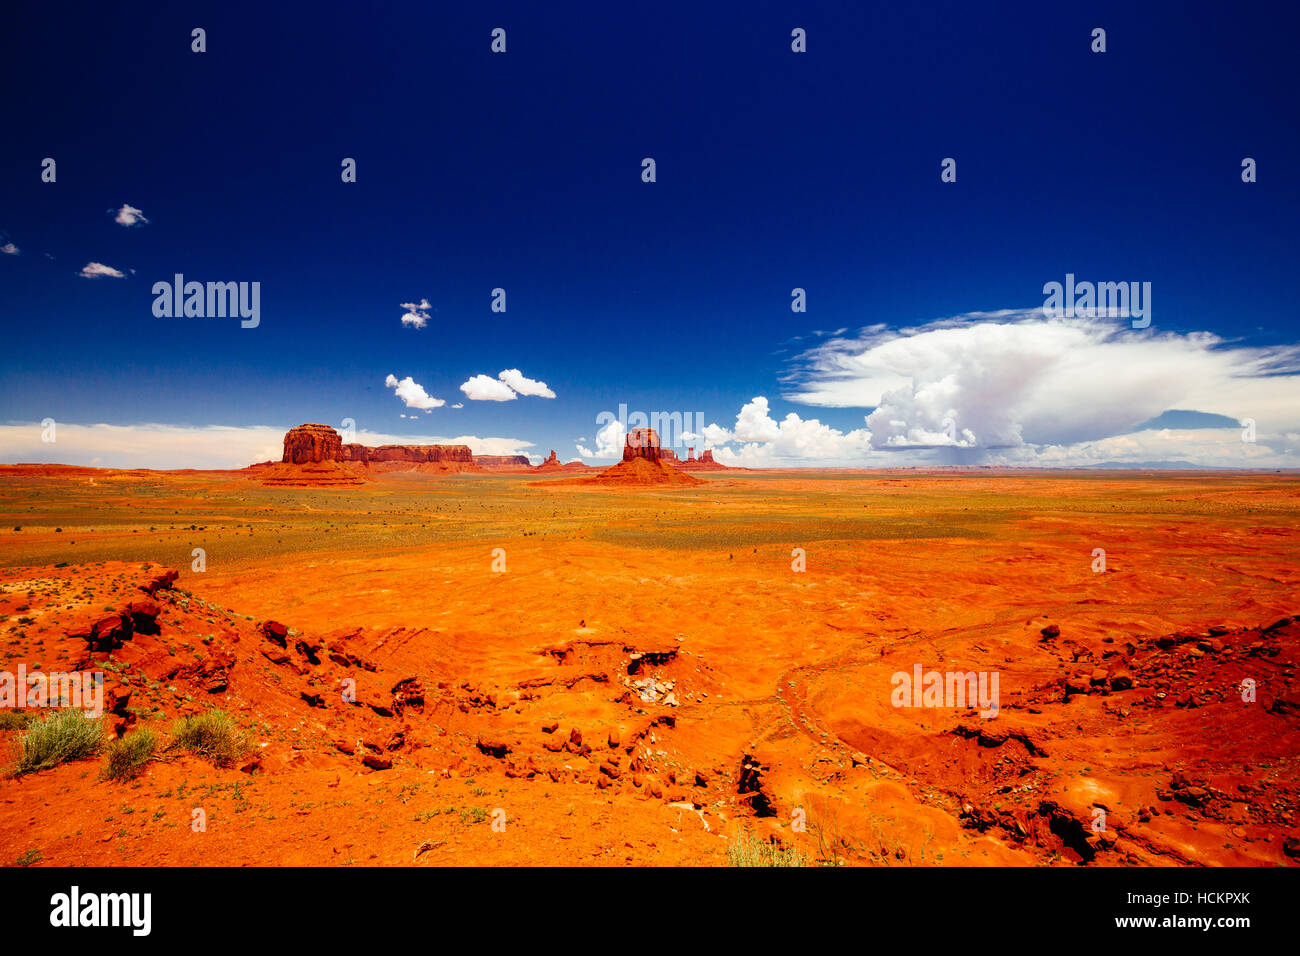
[(503, 462), (313, 442), (641, 443)]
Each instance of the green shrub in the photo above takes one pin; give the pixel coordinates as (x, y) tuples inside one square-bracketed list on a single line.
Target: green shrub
[(213, 736), (128, 756), (748, 850), (56, 738), (16, 719)]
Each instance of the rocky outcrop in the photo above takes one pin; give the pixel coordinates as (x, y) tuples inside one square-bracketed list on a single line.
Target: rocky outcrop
[(637, 471), (312, 442), (552, 463), (704, 463), (312, 474), (642, 443), (502, 462), (418, 453)]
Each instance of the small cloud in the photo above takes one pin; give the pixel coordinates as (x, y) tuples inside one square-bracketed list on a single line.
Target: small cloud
[(93, 270), (506, 387), (480, 388), (416, 316), (459, 405), (10, 249), (129, 216), (412, 393), (609, 442), (525, 386)]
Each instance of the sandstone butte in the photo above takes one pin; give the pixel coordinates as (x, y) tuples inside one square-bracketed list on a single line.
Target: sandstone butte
[(503, 462), (311, 443), (643, 464), (316, 456)]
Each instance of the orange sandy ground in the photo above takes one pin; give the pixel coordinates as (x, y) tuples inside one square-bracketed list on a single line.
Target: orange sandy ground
[(783, 728)]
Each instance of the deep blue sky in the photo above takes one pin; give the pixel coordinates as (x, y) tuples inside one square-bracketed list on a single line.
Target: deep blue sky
[(522, 170)]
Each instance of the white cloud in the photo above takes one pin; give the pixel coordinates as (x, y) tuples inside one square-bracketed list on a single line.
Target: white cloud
[(143, 446), (93, 270), (1205, 447), (481, 388), (525, 386), (609, 442), (765, 442), (715, 435), (507, 386), (795, 441), (753, 424), (459, 405), (1004, 380), (129, 216), (412, 393), (177, 446), (10, 249), (416, 315)]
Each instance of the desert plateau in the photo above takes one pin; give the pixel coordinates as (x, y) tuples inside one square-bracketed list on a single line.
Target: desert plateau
[(510, 668)]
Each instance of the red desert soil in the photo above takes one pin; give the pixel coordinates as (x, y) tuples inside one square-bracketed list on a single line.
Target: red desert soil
[(639, 674), (635, 471)]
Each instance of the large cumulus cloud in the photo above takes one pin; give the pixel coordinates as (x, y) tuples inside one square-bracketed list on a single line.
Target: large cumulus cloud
[(993, 382)]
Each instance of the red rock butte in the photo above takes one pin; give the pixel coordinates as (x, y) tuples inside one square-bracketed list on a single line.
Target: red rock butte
[(502, 462), (313, 442), (704, 463), (642, 443)]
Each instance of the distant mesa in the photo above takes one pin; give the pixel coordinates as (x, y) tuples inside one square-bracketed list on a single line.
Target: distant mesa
[(704, 463), (314, 454), (312, 443), (553, 463), (638, 470), (503, 462), (643, 443), (643, 463)]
